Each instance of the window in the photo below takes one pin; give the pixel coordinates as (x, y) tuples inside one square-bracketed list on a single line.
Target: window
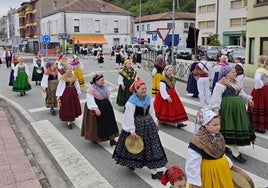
[(207, 8), (262, 1), (169, 25), (202, 25), (116, 24), (97, 26), (138, 28), (148, 27), (210, 24), (251, 50), (76, 25), (236, 4), (54, 4), (264, 45), (142, 27), (211, 8), (237, 22), (192, 24), (186, 25)]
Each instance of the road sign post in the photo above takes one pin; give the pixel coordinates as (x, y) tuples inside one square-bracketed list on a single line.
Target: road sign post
[(163, 33), (46, 40)]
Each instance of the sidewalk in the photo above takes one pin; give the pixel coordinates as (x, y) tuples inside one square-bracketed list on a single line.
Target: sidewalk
[(15, 169)]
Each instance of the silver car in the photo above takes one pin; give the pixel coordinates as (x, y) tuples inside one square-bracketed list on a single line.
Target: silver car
[(184, 53)]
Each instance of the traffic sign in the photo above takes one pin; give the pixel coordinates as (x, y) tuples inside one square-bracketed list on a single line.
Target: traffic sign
[(134, 39), (46, 39), (163, 32), (154, 36)]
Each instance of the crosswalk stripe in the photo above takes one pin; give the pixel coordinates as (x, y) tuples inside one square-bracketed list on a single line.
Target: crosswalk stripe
[(180, 147), (81, 173)]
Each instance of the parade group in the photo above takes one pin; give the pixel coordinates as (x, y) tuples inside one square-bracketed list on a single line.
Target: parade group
[(227, 119)]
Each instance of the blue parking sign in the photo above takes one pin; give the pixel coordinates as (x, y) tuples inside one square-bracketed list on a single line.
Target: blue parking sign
[(154, 36), (46, 39)]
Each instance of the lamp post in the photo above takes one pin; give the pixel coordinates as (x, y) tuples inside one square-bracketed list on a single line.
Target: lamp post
[(139, 40), (172, 38)]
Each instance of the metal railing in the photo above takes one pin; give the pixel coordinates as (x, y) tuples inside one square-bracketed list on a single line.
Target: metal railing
[(181, 68)]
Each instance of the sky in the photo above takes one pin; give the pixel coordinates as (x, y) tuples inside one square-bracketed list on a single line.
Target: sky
[(6, 4)]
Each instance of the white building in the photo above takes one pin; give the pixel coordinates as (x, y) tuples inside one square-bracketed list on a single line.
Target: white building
[(89, 22), (226, 18), (150, 23)]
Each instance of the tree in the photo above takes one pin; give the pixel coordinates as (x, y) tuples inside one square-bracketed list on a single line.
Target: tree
[(214, 40)]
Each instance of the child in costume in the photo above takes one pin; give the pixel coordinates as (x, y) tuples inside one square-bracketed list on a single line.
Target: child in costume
[(175, 176)]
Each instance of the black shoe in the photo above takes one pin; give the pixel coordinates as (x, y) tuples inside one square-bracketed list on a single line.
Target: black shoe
[(228, 151), (112, 142), (24, 93), (70, 126), (21, 94), (195, 96), (36, 83), (39, 83), (179, 125), (158, 175), (131, 168), (259, 131), (53, 112), (239, 159)]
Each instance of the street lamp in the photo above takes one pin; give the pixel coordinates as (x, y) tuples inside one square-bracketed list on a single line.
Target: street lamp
[(139, 40), (172, 38)]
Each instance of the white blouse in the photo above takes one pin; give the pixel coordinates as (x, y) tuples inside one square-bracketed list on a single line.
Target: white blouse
[(62, 85), (128, 118), (16, 69)]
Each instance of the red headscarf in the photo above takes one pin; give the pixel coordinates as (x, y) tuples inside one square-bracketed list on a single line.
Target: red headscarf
[(133, 88), (171, 175)]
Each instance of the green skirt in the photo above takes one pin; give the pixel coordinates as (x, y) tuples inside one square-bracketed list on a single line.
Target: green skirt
[(235, 123), (21, 83), (123, 95)]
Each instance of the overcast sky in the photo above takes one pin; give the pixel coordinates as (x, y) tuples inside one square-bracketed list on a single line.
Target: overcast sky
[(7, 4)]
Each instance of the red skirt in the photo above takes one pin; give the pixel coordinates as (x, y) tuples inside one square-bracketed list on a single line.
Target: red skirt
[(170, 112), (260, 109)]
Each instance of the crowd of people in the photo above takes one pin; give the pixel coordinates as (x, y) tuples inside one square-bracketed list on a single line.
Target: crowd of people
[(222, 124)]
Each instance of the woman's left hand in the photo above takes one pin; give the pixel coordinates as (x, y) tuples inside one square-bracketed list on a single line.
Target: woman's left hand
[(250, 103)]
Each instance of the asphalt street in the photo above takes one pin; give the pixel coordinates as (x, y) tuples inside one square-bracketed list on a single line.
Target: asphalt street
[(67, 160)]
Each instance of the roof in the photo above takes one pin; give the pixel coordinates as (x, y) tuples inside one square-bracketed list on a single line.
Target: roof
[(99, 6), (166, 16)]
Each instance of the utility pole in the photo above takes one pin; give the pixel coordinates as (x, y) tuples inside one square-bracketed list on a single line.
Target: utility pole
[(172, 38), (139, 40)]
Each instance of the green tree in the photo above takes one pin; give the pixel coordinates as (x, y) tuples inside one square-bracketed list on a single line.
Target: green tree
[(214, 41)]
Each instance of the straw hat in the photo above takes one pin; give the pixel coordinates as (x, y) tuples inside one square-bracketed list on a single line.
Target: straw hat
[(134, 145)]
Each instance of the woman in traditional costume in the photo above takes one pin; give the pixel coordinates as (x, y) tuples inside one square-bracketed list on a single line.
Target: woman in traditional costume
[(38, 69), (127, 76), (67, 93), (139, 120), (14, 62), (21, 78), (229, 99), (99, 122), (260, 97), (49, 84), (77, 68), (168, 106), (159, 66)]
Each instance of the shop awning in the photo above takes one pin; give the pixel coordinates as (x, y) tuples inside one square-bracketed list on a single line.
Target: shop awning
[(89, 39)]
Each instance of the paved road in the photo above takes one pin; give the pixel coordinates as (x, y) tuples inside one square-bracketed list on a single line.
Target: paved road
[(84, 163)]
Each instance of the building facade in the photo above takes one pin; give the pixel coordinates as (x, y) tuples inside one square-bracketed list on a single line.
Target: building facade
[(145, 26), (3, 31), (257, 33), (88, 22), (223, 18)]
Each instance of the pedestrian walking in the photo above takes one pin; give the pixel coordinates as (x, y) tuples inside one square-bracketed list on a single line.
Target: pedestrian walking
[(117, 58), (21, 78), (175, 176), (239, 67), (38, 68), (217, 69), (49, 85), (8, 57), (100, 58), (206, 164), (68, 91), (14, 62), (191, 82), (139, 121), (99, 122), (260, 97), (202, 72), (139, 57), (167, 104), (77, 68), (127, 76), (62, 62), (159, 66), (228, 100)]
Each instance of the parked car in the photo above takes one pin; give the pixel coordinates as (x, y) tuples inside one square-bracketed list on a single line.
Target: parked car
[(183, 52), (211, 52), (237, 53), (228, 50)]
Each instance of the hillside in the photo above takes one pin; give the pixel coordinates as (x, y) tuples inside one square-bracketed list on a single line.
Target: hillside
[(154, 6)]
